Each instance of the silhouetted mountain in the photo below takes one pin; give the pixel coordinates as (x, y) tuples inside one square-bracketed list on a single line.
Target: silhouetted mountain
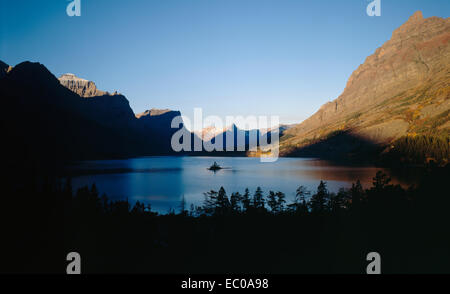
[(4, 68), (51, 120), (3, 65), (157, 123), (113, 110), (157, 119), (400, 90)]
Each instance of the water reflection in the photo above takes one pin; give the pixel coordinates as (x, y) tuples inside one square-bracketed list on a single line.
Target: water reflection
[(162, 181)]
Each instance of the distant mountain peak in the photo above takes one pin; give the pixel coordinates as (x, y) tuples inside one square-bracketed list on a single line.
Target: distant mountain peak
[(82, 87), (417, 16), (209, 132), (416, 24), (71, 76), (156, 112)]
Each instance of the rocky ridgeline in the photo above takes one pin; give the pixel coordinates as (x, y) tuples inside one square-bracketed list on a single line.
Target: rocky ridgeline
[(82, 87), (404, 84)]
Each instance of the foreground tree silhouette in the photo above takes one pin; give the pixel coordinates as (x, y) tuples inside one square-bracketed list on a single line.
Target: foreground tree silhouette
[(258, 200), (281, 200), (300, 205), (235, 202), (338, 202), (246, 201), (328, 219), (357, 196), (138, 208), (183, 210), (319, 202), (380, 181), (272, 202), (223, 204), (210, 202)]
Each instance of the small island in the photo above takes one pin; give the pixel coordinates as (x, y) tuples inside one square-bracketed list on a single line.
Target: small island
[(215, 167)]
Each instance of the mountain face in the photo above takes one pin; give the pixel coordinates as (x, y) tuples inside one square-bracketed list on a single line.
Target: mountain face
[(49, 118), (402, 89), (153, 126), (157, 123), (157, 118), (110, 110), (113, 110), (153, 112), (82, 87)]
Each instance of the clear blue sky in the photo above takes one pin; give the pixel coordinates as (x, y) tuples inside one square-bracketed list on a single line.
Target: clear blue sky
[(230, 57)]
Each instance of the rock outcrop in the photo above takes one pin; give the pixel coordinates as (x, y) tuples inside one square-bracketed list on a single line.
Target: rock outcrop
[(82, 87)]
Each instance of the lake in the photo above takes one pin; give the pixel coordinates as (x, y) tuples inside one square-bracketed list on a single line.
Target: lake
[(162, 181)]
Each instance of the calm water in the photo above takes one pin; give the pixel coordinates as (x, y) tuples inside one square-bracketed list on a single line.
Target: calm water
[(162, 181)]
